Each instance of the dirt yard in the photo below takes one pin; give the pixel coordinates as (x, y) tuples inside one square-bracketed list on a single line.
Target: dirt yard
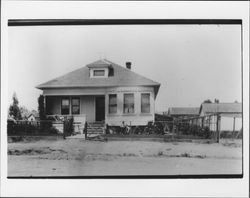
[(77, 157)]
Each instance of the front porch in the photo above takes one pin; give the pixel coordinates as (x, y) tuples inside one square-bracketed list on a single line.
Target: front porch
[(83, 108), (90, 108)]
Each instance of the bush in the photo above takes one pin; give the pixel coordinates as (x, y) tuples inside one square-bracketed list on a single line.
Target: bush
[(68, 127)]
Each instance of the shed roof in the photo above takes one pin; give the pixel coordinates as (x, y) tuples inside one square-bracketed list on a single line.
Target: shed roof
[(80, 78), (221, 108), (183, 111)]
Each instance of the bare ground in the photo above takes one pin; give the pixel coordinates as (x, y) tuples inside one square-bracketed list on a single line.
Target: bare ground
[(77, 157)]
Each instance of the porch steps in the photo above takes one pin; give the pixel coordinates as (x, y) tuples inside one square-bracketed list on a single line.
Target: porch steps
[(95, 128)]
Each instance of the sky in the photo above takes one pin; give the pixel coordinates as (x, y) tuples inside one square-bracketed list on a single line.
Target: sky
[(192, 62)]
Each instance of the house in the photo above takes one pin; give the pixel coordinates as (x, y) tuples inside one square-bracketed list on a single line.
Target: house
[(230, 113), (102, 91), (183, 112), (33, 117)]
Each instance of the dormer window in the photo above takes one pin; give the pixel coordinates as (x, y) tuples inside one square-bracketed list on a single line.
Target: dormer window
[(99, 72), (100, 69)]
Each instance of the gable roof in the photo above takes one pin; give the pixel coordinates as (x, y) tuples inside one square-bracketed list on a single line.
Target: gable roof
[(33, 114), (184, 111), (221, 108), (80, 78)]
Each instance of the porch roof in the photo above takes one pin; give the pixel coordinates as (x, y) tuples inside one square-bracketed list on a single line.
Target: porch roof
[(80, 78)]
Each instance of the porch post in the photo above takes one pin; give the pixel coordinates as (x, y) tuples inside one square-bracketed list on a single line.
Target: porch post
[(70, 110), (45, 112)]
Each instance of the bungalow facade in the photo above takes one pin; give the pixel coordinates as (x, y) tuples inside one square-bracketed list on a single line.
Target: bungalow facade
[(103, 92)]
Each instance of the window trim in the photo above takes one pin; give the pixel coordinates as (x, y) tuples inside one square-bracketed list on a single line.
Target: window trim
[(149, 103), (75, 105), (65, 98), (112, 104), (129, 113)]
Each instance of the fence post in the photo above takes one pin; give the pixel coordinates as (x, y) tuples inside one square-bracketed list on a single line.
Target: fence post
[(86, 130), (218, 128), (64, 128)]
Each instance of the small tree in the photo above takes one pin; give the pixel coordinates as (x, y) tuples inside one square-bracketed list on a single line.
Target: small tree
[(14, 110), (207, 101), (41, 108)]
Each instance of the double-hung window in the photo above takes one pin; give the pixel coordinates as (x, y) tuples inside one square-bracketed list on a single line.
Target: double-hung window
[(112, 103), (129, 103), (65, 106), (75, 106), (145, 103)]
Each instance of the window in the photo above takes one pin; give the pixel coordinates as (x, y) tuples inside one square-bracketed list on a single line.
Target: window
[(145, 103), (99, 72), (75, 105), (112, 103), (65, 106), (128, 103)]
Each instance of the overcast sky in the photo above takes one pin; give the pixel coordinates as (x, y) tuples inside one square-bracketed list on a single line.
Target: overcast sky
[(192, 62)]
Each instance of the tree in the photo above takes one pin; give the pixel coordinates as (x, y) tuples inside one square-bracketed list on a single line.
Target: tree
[(216, 100), (14, 110), (24, 112), (34, 112), (41, 108), (207, 101)]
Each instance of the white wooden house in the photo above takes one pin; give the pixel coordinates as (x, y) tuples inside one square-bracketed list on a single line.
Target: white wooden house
[(102, 92)]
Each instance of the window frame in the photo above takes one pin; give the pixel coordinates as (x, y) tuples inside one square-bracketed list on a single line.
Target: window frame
[(72, 105), (129, 103), (109, 105), (64, 105), (147, 103), (94, 70)]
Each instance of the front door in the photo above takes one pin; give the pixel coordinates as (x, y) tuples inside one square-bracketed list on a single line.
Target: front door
[(100, 108)]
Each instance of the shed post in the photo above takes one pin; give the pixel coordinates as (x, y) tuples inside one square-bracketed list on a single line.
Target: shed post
[(233, 128), (218, 127), (234, 125)]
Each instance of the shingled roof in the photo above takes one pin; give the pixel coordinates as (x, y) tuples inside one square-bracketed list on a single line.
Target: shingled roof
[(80, 78), (184, 111), (221, 108)]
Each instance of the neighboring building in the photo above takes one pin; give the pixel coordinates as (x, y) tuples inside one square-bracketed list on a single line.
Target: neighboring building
[(33, 117), (231, 115), (102, 92), (183, 112)]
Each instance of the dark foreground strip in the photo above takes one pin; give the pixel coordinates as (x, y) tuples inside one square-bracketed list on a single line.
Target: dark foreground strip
[(45, 22), (216, 176)]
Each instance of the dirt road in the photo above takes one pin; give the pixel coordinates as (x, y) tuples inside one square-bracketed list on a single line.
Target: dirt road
[(76, 157)]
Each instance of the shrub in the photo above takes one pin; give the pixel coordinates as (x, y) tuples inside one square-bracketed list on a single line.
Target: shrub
[(53, 130)]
